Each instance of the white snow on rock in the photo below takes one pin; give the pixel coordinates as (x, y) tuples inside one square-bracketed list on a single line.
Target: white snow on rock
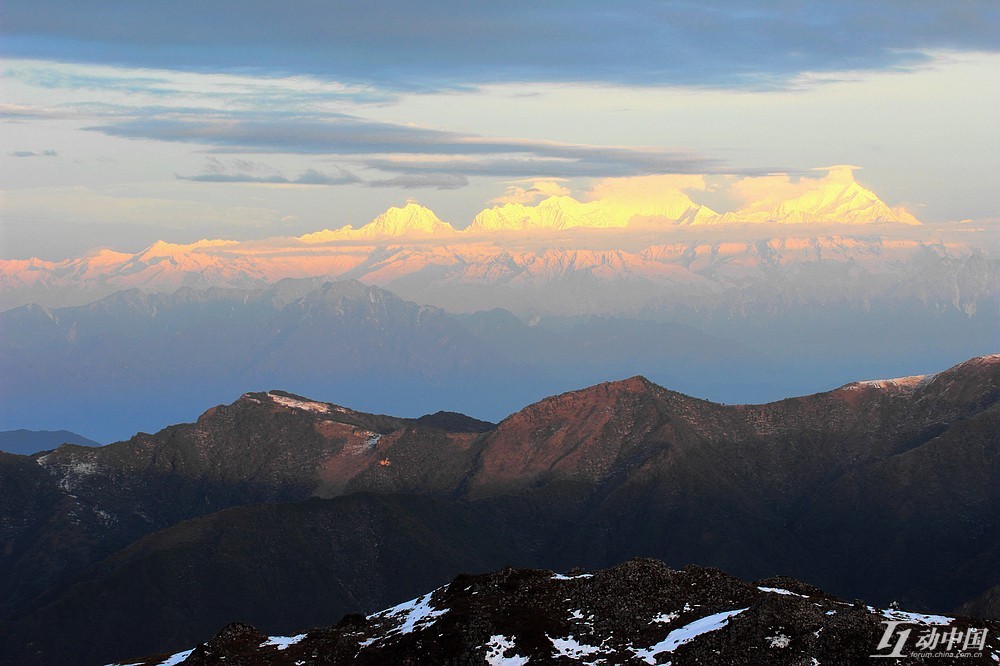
[(308, 405), (916, 618), (686, 634), (175, 659), (665, 618), (414, 614), (559, 576), (571, 648), (495, 649), (778, 641), (282, 642), (779, 590)]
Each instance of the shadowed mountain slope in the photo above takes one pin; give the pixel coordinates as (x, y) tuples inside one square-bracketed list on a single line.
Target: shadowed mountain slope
[(879, 489)]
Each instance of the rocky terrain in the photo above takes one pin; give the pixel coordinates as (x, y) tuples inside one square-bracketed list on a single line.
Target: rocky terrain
[(640, 612)]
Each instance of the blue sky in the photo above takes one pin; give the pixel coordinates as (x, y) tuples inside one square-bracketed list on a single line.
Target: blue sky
[(128, 122)]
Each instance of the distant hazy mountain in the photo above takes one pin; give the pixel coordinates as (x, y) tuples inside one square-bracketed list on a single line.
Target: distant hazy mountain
[(288, 512), (641, 612), (135, 360), (26, 442)]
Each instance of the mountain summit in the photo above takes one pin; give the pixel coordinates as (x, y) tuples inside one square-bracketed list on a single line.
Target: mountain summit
[(835, 199), (411, 219)]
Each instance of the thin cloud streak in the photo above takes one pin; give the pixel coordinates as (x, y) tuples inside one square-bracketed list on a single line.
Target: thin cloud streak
[(248, 171), (403, 149), (31, 153), (439, 181)]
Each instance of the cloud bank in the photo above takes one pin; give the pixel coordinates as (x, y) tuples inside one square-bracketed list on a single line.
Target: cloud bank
[(401, 44), (416, 154)]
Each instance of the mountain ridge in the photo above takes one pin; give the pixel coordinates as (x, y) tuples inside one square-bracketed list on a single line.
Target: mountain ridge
[(408, 242), (809, 487), (638, 612)]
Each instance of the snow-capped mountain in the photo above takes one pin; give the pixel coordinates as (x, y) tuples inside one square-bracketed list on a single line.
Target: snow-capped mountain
[(834, 199), (713, 262), (660, 236), (564, 212), (640, 612), (837, 199), (410, 220)]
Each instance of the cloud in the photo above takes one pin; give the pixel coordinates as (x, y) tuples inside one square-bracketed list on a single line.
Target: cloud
[(15, 112), (281, 91), (314, 177), (440, 181), (409, 45), (248, 171), (401, 149), (536, 190), (648, 189), (31, 153)]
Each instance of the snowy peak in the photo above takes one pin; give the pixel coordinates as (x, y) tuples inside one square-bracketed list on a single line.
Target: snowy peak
[(836, 198), (164, 250), (408, 221), (564, 212), (411, 218)]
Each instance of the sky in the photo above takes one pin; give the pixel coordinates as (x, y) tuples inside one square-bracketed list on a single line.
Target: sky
[(124, 123)]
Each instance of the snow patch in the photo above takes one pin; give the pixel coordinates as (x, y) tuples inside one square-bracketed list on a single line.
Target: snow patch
[(175, 659), (571, 648), (665, 618), (573, 577), (779, 641), (307, 405), (495, 649), (916, 618), (411, 615), (282, 642), (686, 634), (778, 590)]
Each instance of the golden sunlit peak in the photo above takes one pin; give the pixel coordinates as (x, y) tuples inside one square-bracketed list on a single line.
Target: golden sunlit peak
[(411, 219), (164, 249)]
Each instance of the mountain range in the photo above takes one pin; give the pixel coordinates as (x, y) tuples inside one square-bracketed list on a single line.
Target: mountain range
[(286, 512), (640, 612), (27, 442), (836, 198), (136, 360), (661, 243)]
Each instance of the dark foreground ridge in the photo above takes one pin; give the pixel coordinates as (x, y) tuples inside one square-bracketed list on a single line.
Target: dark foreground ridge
[(641, 612), (284, 512)]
